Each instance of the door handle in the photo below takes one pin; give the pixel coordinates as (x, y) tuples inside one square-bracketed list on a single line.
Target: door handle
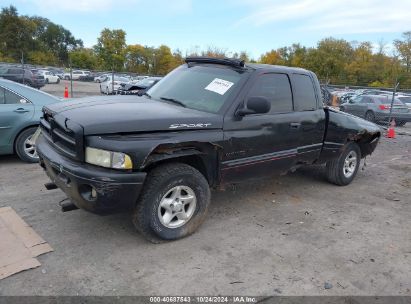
[(295, 125), (21, 110)]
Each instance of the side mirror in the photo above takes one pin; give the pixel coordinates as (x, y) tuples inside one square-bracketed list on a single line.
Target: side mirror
[(255, 105)]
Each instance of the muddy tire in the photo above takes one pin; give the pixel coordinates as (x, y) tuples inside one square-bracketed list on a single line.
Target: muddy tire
[(173, 204), (24, 148), (341, 171)]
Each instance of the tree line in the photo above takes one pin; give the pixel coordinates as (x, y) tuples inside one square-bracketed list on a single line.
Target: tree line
[(39, 41)]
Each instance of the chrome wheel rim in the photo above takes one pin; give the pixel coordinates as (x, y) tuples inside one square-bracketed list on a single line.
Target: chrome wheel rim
[(177, 207), (30, 148), (350, 164)]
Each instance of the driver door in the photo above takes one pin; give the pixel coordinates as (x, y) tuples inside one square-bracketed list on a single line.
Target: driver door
[(260, 144)]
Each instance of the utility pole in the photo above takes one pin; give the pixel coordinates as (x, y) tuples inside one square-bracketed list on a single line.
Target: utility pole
[(392, 101), (112, 79), (22, 64), (71, 79)]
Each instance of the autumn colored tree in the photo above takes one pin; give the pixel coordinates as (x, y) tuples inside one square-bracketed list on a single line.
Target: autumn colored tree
[(404, 49), (83, 58), (111, 48)]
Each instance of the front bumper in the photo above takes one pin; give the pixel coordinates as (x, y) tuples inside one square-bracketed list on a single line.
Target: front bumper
[(113, 190)]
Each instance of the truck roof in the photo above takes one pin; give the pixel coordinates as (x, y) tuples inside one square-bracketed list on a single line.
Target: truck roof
[(239, 63)]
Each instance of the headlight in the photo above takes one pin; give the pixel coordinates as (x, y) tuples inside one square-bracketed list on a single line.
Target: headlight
[(108, 159)]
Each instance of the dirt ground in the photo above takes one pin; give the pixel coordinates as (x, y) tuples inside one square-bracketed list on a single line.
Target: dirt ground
[(80, 88), (286, 235)]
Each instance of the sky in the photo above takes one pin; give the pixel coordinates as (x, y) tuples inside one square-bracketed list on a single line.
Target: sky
[(255, 26)]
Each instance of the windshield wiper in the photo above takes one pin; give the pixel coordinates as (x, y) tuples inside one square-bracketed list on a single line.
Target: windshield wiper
[(173, 101), (148, 95)]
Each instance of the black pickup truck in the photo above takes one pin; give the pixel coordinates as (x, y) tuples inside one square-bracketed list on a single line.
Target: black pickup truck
[(208, 123)]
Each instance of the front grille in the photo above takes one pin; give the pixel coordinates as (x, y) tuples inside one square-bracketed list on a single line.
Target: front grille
[(63, 135)]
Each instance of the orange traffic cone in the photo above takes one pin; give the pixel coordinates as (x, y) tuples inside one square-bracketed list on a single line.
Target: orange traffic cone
[(66, 92), (391, 130)]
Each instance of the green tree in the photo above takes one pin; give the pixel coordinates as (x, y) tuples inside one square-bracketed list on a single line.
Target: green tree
[(111, 49), (404, 49), (15, 34), (83, 59), (329, 58), (139, 58), (272, 57), (164, 61)]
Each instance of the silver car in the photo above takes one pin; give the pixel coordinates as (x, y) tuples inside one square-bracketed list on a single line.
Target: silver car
[(376, 108)]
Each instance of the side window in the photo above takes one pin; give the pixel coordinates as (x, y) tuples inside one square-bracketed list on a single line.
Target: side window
[(11, 98), (15, 71), (276, 88), (304, 94), (356, 99), (2, 98), (365, 100)]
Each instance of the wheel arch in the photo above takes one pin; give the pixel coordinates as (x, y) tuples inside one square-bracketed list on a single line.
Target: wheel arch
[(202, 156), (366, 142), (34, 125)]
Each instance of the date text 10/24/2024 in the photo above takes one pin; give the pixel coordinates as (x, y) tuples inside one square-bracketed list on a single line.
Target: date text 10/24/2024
[(203, 299)]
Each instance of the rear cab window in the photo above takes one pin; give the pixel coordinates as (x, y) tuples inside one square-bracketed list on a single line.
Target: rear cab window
[(305, 98)]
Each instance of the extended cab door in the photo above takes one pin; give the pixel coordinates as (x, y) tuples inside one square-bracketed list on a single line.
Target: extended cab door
[(309, 119), (260, 144)]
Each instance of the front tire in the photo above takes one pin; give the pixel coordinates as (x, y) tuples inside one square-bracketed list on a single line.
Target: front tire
[(24, 148), (341, 171), (173, 204)]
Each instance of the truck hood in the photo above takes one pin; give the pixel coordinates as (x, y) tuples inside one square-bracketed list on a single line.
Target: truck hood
[(128, 114)]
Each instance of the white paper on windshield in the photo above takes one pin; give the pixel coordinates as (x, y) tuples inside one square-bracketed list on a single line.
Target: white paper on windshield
[(219, 86)]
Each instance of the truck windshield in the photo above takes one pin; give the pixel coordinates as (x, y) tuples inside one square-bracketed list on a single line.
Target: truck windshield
[(199, 87)]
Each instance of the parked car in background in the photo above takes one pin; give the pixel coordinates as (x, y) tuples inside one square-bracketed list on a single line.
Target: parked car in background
[(89, 77), (49, 77), (58, 72), (110, 87), (138, 87), (101, 78), (376, 108), (20, 112), (23, 76), (405, 99), (76, 74)]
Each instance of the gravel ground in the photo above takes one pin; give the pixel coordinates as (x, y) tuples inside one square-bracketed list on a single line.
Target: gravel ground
[(289, 235), (80, 88)]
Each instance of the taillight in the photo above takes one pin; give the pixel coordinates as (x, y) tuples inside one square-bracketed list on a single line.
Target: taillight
[(384, 107)]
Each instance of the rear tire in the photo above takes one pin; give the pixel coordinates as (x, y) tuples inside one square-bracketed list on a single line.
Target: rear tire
[(401, 123), (342, 171), (370, 116), (58, 80), (25, 149), (173, 204)]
